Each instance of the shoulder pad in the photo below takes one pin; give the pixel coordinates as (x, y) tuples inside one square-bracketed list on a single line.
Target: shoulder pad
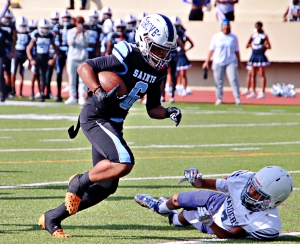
[(121, 50)]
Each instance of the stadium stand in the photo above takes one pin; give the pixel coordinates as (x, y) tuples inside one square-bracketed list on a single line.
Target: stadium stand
[(285, 42)]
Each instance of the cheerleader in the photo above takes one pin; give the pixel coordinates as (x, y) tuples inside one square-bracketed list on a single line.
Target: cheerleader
[(259, 42)]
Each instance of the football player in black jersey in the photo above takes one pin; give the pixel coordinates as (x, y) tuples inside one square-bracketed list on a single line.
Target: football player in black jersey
[(23, 38), (142, 67), (4, 37), (61, 31), (43, 38), (94, 32), (8, 25), (116, 36)]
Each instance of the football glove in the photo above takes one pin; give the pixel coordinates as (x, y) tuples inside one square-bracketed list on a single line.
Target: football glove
[(104, 100), (204, 216), (174, 114), (190, 175)]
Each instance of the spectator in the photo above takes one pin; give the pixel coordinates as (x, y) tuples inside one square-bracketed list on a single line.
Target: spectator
[(224, 48), (293, 12), (196, 12), (225, 9), (259, 42), (244, 207), (83, 4), (42, 39), (78, 41)]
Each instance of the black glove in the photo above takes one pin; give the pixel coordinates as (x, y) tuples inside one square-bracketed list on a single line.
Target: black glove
[(174, 114), (104, 100)]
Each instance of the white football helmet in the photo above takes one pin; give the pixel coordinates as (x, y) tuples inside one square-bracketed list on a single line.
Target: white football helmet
[(54, 17), (273, 183), (43, 27), (141, 15), (32, 25), (8, 17), (106, 13), (21, 24), (130, 21), (65, 18), (93, 17), (107, 26), (175, 21), (156, 31)]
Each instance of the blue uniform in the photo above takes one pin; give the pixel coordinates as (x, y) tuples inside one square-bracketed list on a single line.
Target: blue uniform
[(258, 57)]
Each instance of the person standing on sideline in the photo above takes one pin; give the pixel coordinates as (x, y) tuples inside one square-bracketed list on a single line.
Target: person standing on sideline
[(259, 42), (245, 205), (224, 48), (225, 9), (83, 4), (142, 68), (78, 41)]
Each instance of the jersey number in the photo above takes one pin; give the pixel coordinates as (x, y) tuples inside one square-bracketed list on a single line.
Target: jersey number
[(133, 95)]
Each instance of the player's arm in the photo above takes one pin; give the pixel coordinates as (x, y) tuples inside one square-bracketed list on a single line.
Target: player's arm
[(29, 50), (236, 232), (89, 69)]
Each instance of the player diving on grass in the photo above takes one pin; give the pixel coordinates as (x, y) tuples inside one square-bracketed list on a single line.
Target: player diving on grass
[(245, 206), (142, 67)]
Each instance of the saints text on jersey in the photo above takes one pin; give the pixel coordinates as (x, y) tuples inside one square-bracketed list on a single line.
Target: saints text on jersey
[(144, 76)]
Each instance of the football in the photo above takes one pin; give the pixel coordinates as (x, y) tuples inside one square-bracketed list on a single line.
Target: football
[(108, 80)]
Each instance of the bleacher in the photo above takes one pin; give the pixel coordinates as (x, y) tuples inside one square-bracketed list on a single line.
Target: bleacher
[(284, 37)]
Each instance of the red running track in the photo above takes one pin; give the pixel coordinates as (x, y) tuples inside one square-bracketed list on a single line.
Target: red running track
[(203, 95)]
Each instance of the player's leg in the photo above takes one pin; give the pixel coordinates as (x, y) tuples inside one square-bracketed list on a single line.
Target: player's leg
[(21, 73), (2, 81), (60, 64), (14, 67), (232, 74), (263, 81), (108, 140), (219, 73), (253, 82)]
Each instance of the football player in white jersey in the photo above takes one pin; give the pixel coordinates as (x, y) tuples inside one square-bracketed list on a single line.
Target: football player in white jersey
[(245, 207)]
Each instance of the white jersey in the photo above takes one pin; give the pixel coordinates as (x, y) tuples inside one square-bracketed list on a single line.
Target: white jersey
[(260, 225)]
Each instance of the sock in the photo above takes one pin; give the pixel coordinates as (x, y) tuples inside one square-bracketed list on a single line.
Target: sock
[(85, 181), (162, 208), (176, 221)]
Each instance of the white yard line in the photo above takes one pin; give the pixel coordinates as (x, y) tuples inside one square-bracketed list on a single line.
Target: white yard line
[(157, 146), (122, 179)]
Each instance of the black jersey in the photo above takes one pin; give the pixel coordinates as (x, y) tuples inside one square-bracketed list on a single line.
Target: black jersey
[(42, 42), (117, 37), (61, 38), (4, 36), (139, 77), (9, 29)]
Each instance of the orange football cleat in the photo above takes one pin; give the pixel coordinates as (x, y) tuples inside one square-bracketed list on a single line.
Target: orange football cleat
[(59, 233)]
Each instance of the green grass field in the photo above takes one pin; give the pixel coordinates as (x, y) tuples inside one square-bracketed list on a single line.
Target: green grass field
[(35, 148)]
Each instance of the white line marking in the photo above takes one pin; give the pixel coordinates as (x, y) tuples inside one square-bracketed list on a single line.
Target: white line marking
[(220, 240), (156, 146), (56, 140), (122, 179), (74, 118), (246, 149)]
